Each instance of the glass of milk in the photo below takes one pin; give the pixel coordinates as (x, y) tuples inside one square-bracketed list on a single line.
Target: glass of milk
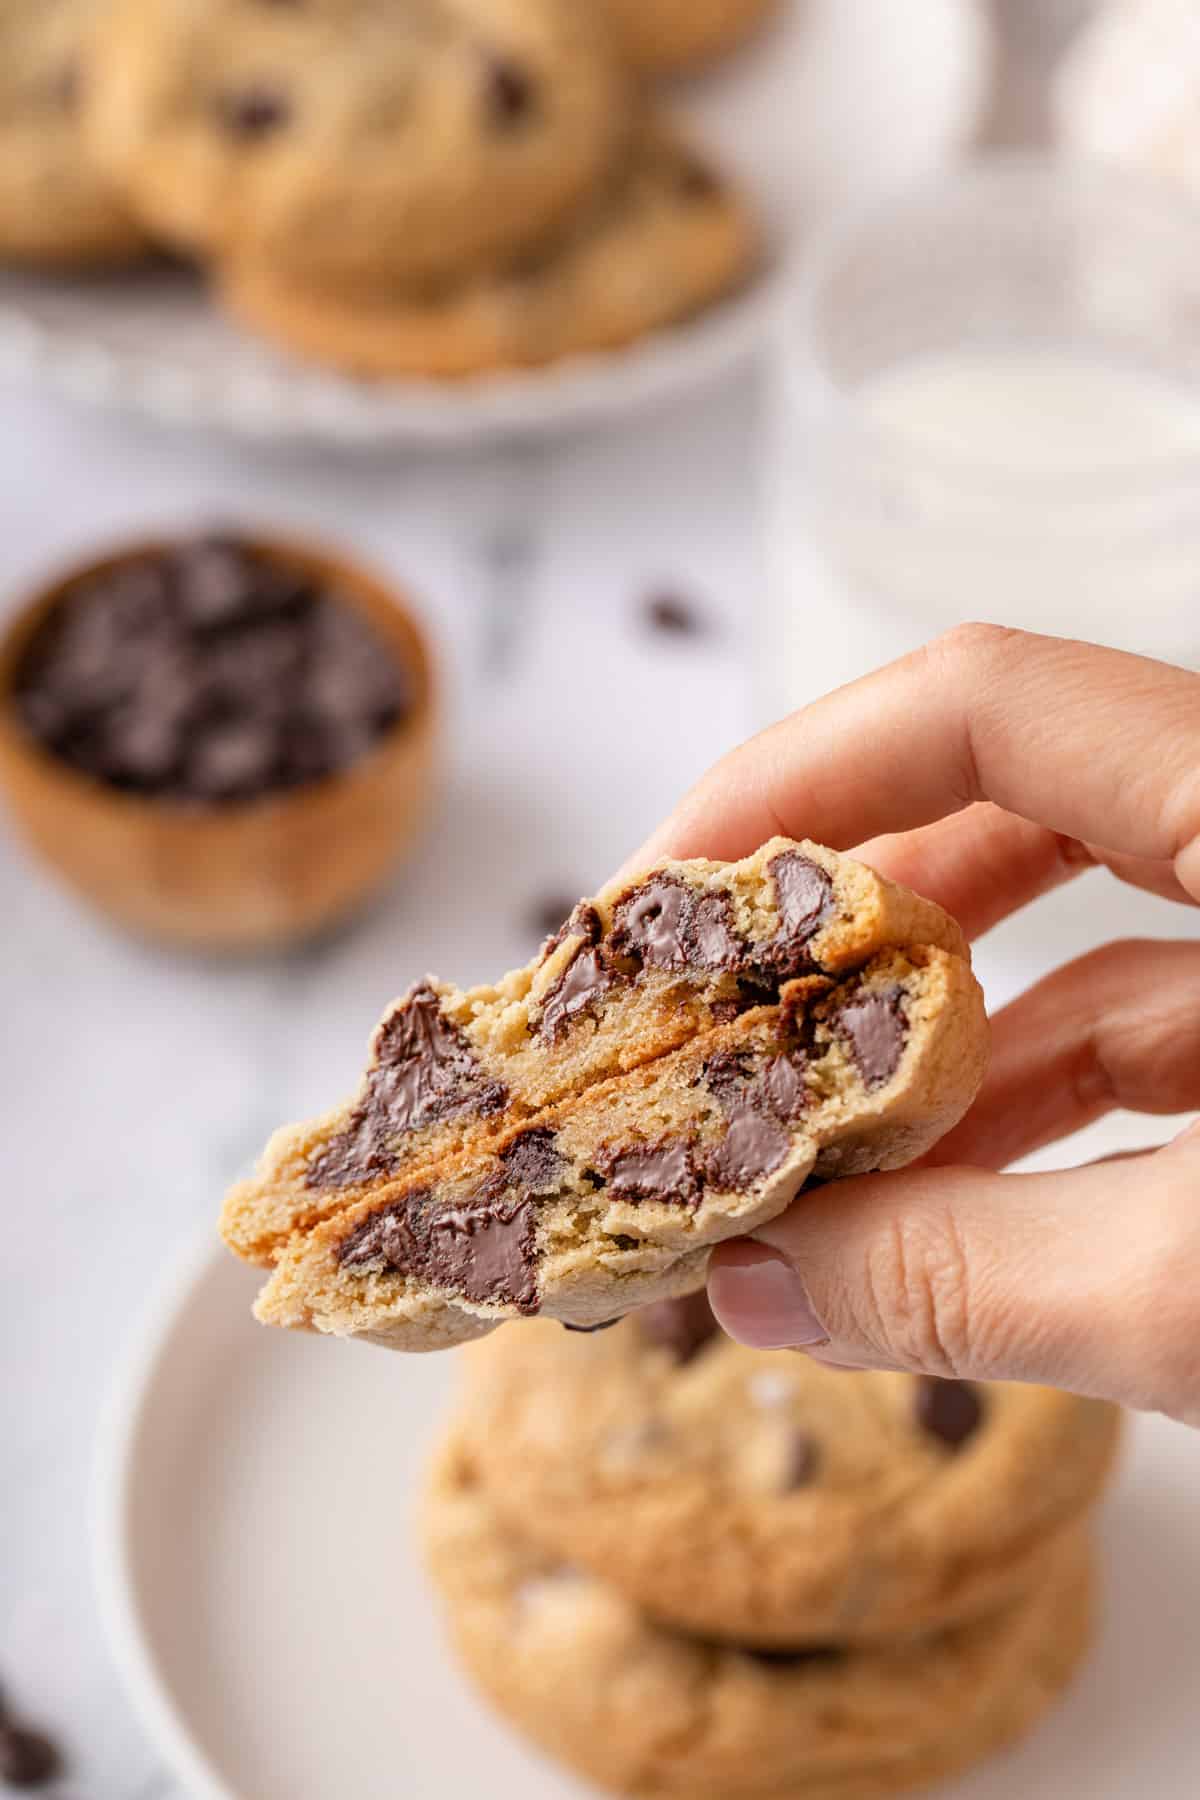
[(988, 407)]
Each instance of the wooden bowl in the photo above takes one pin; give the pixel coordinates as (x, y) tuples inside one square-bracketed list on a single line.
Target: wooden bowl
[(242, 875)]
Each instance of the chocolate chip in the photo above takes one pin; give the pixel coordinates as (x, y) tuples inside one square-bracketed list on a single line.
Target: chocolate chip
[(661, 1172), (511, 92), (66, 88), (759, 1098), (591, 1330), (782, 1087), (233, 761), (681, 1326), (697, 180), (752, 1148), (949, 1410), (804, 896), (550, 918), (672, 616), (586, 978), (484, 1249), (487, 1252), (876, 1029), (795, 1659), (669, 925), (27, 1758), (253, 112), (424, 1069), (803, 1462), (532, 1160)]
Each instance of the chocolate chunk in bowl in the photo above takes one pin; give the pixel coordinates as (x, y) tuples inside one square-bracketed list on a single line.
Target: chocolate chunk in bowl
[(186, 728)]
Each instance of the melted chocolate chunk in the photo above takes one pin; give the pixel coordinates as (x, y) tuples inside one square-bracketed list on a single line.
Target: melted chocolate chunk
[(487, 1252), (668, 925), (662, 1172), (586, 977), (759, 1100), (681, 1326), (511, 92), (591, 1330), (949, 1410), (532, 1160), (782, 1085), (582, 921), (804, 896), (753, 1146), (650, 923), (876, 1029), (254, 112), (483, 1249), (424, 1070)]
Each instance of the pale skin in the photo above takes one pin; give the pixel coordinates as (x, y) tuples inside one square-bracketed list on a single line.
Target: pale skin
[(984, 770)]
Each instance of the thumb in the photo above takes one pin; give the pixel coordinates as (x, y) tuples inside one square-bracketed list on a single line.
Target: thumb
[(1084, 1280)]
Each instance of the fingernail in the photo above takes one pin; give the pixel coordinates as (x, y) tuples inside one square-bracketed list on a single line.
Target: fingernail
[(761, 1301)]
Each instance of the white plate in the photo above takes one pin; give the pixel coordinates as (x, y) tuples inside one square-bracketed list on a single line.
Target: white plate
[(838, 93), (256, 1565)]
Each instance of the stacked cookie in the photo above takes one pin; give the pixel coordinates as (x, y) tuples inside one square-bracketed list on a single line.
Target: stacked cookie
[(691, 1569), (396, 186)]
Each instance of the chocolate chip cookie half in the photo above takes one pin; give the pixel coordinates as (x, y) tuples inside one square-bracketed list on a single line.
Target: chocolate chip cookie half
[(820, 1506), (654, 1713), (648, 964), (613, 1198)]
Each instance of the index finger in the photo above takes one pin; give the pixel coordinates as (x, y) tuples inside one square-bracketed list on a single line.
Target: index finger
[(1091, 743)]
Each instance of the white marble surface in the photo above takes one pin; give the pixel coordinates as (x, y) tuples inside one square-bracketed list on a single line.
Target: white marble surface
[(135, 1084)]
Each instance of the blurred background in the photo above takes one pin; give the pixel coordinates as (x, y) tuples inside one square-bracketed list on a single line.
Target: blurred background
[(950, 370)]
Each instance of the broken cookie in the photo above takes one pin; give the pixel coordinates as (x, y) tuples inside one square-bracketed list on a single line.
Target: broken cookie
[(680, 950), (613, 1196)]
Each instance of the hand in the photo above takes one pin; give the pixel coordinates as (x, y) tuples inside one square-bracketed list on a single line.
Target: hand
[(999, 765)]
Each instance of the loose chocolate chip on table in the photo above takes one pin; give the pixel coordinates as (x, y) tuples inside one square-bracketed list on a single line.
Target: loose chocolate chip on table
[(949, 1410), (876, 1029), (672, 616), (511, 91), (681, 1326), (27, 1758), (253, 112)]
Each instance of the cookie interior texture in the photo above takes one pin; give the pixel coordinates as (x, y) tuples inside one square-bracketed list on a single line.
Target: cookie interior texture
[(821, 1507), (585, 1212), (632, 974), (654, 1712)]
